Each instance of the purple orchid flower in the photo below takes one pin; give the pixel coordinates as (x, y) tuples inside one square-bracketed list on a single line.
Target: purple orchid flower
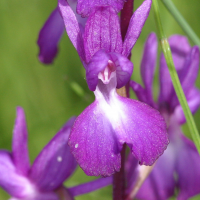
[(51, 168), (102, 128), (179, 166)]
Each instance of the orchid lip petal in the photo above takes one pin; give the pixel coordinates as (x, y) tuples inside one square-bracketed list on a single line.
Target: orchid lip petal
[(101, 130), (55, 163), (49, 37), (19, 145)]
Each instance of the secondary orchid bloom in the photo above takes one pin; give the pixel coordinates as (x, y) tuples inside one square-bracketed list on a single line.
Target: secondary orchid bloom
[(43, 180), (53, 165), (179, 166), (102, 128)]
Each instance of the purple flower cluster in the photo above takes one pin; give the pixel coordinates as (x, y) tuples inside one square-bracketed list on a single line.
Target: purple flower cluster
[(96, 137), (178, 168)]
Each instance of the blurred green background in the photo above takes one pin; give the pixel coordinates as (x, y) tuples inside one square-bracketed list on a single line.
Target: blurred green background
[(50, 95)]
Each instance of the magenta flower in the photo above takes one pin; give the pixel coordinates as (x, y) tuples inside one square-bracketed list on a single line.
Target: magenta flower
[(51, 168), (102, 128), (179, 166)]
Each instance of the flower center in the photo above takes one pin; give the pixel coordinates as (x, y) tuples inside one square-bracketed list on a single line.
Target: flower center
[(107, 74)]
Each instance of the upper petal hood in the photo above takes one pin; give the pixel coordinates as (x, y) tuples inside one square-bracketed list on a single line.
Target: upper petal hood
[(115, 62), (102, 31), (55, 163)]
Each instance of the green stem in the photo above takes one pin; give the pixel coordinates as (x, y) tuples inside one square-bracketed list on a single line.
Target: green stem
[(181, 21), (175, 80)]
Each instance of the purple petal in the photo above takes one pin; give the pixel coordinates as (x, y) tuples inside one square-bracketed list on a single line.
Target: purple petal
[(131, 166), (135, 26), (148, 64), (72, 27), (94, 143), (193, 99), (124, 69), (166, 87), (85, 7), (90, 186), (102, 31), (19, 144), (49, 37), (81, 20), (187, 75), (180, 48), (97, 64), (140, 92), (55, 163), (188, 165), (160, 184), (15, 184), (189, 72), (144, 126), (101, 130)]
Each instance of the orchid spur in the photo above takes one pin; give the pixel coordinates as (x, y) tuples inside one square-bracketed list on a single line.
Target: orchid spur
[(178, 167), (44, 179), (100, 131)]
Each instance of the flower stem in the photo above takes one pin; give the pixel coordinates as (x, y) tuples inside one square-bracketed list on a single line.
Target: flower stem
[(126, 15), (174, 76), (181, 21), (119, 177)]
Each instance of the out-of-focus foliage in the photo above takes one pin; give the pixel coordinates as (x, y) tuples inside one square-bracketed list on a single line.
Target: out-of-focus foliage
[(52, 94)]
